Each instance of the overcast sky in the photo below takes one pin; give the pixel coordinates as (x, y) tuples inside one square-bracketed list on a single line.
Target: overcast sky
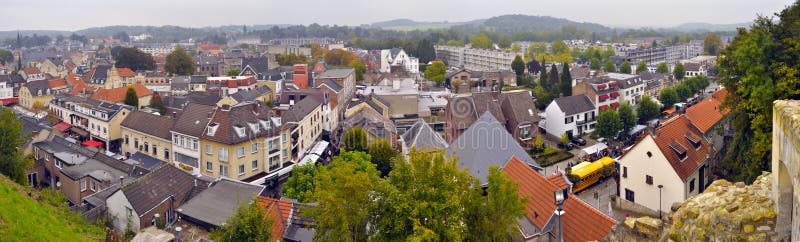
[(79, 14)]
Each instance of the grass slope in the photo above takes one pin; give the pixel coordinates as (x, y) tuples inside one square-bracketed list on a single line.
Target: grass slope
[(24, 219)]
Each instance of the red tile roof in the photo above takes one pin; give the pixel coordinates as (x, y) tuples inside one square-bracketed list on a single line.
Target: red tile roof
[(279, 210), (558, 180), (708, 112), (126, 72), (57, 83), (673, 137), (581, 222), (31, 70), (116, 95)]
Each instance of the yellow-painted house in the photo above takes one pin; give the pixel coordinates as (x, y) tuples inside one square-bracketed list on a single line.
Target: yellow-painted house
[(147, 133)]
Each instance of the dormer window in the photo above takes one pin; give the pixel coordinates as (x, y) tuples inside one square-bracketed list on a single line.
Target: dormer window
[(212, 129), (239, 131), (254, 128), (679, 150), (265, 124), (694, 139)]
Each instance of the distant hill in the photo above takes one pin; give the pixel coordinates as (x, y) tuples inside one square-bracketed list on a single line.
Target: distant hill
[(408, 24), (710, 27), (13, 33), (23, 218), (509, 24)]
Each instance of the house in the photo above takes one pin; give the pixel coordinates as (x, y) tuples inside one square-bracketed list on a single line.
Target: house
[(330, 118), (197, 83), (148, 134), (707, 115), (336, 94), (103, 76), (32, 74), (256, 67), (573, 115), (212, 207), (305, 119), (33, 130), (49, 67), (7, 93), (487, 143), (603, 93), (375, 124), (126, 76), (13, 81), (261, 94), (461, 77), (89, 119), (398, 58), (655, 82), (401, 94), (631, 87), (240, 142), (227, 86), (522, 119), (189, 127), (117, 95), (35, 95), (208, 65), (580, 221), (345, 77), (462, 111), (670, 161), (694, 69), (373, 102), (176, 104), (161, 192), (301, 76), (290, 224), (421, 137)]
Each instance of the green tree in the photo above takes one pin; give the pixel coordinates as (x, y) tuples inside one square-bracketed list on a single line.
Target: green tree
[(609, 66), (12, 163), (518, 65), (543, 97), (668, 97), (179, 62), (515, 48), (684, 92), (249, 223), (642, 66), (594, 64), (355, 139), (131, 98), (425, 51), (558, 47), (359, 68), (435, 72), (554, 78), (608, 124), (544, 77), (647, 109), (300, 184), (627, 116), (344, 196), (679, 72), (135, 59), (158, 104), (382, 155), (6, 56), (339, 57), (537, 49), (625, 67), (290, 59), (493, 217), (504, 42), (481, 41), (662, 68), (233, 72), (564, 139), (455, 42), (565, 86), (712, 44)]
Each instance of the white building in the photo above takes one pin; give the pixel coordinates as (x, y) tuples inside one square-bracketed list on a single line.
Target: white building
[(666, 166), (573, 115), (398, 58), (6, 91), (476, 59), (631, 87)]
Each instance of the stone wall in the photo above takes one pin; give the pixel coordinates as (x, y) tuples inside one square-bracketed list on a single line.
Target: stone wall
[(786, 166), (727, 212)]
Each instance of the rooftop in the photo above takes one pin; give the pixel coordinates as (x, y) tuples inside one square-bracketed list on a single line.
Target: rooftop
[(220, 201), (705, 114)]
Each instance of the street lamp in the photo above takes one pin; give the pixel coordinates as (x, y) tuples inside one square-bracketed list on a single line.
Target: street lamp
[(659, 200), (560, 197)]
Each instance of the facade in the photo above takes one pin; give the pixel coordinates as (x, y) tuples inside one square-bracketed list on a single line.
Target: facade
[(708, 115), (673, 158), (475, 59), (631, 87), (117, 95), (785, 168), (227, 86), (573, 115), (35, 93), (344, 77), (522, 119), (397, 57), (305, 118), (401, 94), (655, 55), (186, 133), (141, 134), (93, 119)]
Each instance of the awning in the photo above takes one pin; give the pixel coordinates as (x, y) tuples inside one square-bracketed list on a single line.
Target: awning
[(603, 97), (601, 86), (637, 128), (603, 108), (615, 105), (594, 149), (669, 111), (612, 84), (9, 100), (79, 131), (62, 126), (92, 143), (614, 94)]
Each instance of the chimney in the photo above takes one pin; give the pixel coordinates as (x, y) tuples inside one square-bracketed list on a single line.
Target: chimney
[(178, 234), (195, 182), (120, 181), (174, 114)]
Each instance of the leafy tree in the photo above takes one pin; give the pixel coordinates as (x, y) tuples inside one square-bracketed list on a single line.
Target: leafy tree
[(679, 71), (609, 66), (627, 116), (712, 44), (504, 42), (516, 48), (355, 139), (538, 144), (249, 223), (233, 72), (493, 217), (662, 68), (435, 72), (317, 52), (12, 163), (131, 98), (565, 86), (536, 49), (339, 57), (359, 68), (122, 36), (158, 104), (179, 62), (544, 77), (518, 65), (625, 67), (668, 97), (344, 197), (608, 124), (564, 139), (455, 42), (6, 56), (481, 41), (425, 51), (382, 155), (558, 47), (684, 92), (642, 66), (37, 106), (543, 97), (759, 66), (554, 78), (300, 184), (134, 59), (594, 64), (647, 109), (290, 59)]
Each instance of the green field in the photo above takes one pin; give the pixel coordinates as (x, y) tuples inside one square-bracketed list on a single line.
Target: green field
[(24, 219)]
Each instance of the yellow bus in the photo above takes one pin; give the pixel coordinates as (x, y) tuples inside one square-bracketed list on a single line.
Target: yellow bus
[(589, 173)]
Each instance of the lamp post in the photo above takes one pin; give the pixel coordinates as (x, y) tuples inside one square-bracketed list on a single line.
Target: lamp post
[(560, 197), (659, 200)]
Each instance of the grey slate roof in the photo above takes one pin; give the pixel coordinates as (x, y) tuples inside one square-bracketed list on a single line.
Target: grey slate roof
[(150, 190), (333, 85), (194, 119), (423, 137), (487, 143), (259, 65), (574, 104), (301, 109), (220, 201), (336, 73), (151, 124), (100, 74), (196, 79), (147, 162), (38, 88)]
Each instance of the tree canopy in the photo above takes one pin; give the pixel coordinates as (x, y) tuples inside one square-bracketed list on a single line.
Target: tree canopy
[(647, 109), (12, 163), (565, 86), (290, 59), (668, 97), (712, 44), (179, 62), (518, 65), (609, 66), (662, 68), (382, 155), (300, 184), (481, 41), (594, 64), (131, 98), (642, 66), (625, 67), (679, 71), (355, 139), (135, 59), (608, 124), (359, 68), (436, 72), (627, 116), (248, 223), (6, 56)]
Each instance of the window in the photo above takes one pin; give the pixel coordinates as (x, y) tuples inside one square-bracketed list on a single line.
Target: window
[(93, 186), (209, 166), (625, 171), (285, 153), (241, 169), (649, 154), (83, 185), (223, 154), (223, 170), (126, 139), (240, 152), (194, 144), (629, 195), (691, 185), (568, 120), (648, 179), (146, 147), (254, 147), (129, 212), (166, 154), (155, 150), (136, 143), (58, 163), (209, 151), (283, 138)]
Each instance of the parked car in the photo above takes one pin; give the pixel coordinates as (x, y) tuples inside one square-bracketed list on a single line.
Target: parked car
[(577, 140)]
